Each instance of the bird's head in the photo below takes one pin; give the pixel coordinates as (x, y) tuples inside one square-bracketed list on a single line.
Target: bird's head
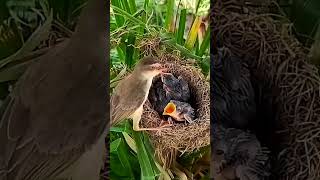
[(168, 81), (170, 109), (149, 67)]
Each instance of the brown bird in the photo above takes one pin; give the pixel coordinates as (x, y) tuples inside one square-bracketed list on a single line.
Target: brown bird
[(55, 123), (132, 92)]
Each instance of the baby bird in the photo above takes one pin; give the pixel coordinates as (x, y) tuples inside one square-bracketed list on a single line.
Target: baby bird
[(238, 155), (179, 111), (175, 88), (234, 98), (157, 96)]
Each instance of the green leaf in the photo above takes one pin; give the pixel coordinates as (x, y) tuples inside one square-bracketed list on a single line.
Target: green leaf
[(182, 26), (205, 43), (10, 40), (193, 34), (147, 172), (123, 163), (126, 6), (123, 157), (169, 16), (133, 6), (115, 145), (38, 36), (130, 51), (129, 16), (184, 51), (119, 19)]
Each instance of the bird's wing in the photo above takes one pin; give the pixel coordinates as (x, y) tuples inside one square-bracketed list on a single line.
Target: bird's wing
[(20, 157), (51, 119), (124, 102)]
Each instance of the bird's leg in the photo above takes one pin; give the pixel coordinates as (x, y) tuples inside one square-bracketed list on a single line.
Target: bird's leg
[(187, 118), (167, 123), (136, 117)]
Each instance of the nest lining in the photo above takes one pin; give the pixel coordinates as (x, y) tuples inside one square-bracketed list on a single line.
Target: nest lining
[(279, 63), (183, 137)]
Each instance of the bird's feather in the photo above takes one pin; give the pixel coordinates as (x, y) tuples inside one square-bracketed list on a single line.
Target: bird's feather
[(123, 104)]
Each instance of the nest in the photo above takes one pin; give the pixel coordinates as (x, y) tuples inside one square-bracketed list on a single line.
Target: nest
[(181, 137), (279, 63)]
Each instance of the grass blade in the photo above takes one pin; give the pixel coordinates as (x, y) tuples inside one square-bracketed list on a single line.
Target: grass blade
[(126, 6), (205, 43), (146, 4), (198, 5), (182, 26), (119, 19), (133, 6), (184, 51), (130, 61), (169, 16), (129, 16), (192, 37)]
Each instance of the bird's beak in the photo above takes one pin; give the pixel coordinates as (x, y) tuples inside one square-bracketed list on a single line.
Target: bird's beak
[(169, 109), (158, 66), (163, 70)]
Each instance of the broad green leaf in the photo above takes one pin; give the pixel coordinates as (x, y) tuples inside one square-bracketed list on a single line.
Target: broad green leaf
[(115, 145), (147, 172)]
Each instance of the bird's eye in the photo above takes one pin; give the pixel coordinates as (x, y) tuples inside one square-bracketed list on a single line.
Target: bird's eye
[(219, 152)]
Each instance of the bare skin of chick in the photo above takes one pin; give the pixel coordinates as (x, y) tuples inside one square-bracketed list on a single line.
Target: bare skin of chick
[(131, 93)]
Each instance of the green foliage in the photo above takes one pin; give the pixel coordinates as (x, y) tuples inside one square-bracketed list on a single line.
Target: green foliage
[(154, 19), (131, 154)]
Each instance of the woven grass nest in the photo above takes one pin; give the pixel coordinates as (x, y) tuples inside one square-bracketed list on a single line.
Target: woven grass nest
[(290, 85), (181, 137)]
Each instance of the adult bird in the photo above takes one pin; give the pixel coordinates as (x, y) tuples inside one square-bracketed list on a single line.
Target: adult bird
[(54, 125), (132, 92), (237, 154), (233, 95)]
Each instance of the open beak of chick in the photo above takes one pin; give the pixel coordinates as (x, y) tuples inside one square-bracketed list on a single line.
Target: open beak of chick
[(170, 110)]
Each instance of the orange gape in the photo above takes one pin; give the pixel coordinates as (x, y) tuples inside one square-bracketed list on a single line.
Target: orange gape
[(170, 109)]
